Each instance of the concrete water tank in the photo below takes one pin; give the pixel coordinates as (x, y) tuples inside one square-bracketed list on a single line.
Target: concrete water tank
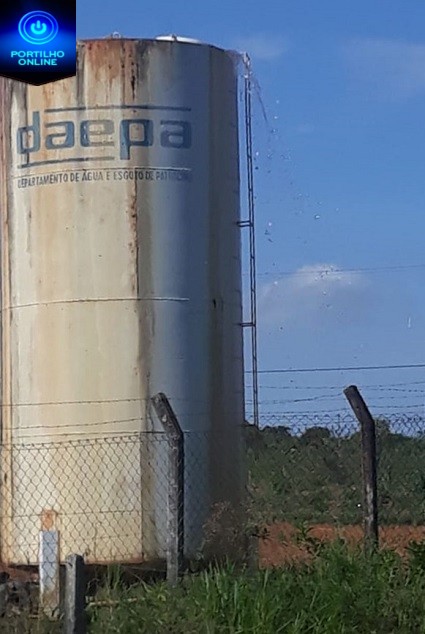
[(121, 277)]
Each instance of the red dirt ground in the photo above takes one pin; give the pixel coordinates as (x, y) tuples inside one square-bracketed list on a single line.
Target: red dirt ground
[(278, 546)]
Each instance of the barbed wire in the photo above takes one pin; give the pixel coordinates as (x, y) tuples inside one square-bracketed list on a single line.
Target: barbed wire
[(330, 270), (401, 366), (337, 387), (341, 410), (330, 397)]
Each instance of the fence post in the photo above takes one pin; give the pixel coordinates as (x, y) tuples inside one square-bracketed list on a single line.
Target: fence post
[(175, 507), (48, 568), (75, 595), (368, 435)]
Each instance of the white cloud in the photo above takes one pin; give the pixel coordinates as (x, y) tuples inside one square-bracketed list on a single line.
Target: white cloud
[(391, 68), (262, 46), (313, 294)]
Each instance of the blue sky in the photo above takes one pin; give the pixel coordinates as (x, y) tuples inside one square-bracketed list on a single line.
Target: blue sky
[(340, 189)]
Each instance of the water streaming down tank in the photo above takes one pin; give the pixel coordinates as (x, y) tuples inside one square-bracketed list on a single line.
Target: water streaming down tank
[(121, 277)]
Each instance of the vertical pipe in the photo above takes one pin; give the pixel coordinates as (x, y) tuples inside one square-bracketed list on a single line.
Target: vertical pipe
[(251, 224), (49, 571)]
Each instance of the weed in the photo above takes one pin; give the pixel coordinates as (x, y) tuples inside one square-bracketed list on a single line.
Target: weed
[(342, 591)]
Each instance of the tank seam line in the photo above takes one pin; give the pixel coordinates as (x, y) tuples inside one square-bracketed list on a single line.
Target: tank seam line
[(99, 300)]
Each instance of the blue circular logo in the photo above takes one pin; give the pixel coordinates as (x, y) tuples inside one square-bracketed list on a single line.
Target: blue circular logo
[(38, 27)]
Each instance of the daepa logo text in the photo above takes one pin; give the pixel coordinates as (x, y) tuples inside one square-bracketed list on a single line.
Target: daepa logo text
[(121, 135)]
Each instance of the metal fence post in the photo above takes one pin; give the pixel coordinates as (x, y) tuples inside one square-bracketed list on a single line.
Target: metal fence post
[(368, 435), (175, 507), (75, 594)]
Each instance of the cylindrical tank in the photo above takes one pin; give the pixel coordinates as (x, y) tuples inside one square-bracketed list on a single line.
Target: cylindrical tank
[(120, 278)]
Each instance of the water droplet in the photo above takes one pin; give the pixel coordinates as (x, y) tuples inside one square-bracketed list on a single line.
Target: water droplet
[(317, 217)]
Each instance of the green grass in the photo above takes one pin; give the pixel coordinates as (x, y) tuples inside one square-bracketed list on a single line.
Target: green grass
[(341, 592)]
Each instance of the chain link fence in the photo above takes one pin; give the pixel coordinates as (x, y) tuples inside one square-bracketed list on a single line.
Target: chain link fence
[(117, 499), (97, 493), (109, 498), (307, 468), (152, 498)]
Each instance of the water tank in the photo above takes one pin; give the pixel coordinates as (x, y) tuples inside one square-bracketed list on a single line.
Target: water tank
[(120, 278)]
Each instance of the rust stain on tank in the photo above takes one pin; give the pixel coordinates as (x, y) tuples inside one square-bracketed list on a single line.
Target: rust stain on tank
[(133, 245), (48, 519)]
